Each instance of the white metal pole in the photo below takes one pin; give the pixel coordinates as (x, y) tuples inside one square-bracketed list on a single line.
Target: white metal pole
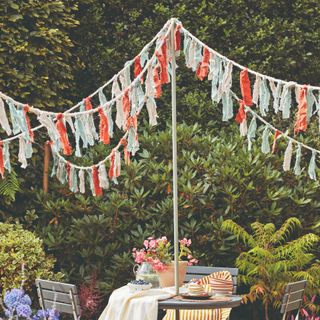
[(174, 162)]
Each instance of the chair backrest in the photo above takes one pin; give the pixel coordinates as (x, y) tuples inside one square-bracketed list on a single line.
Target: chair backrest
[(197, 272), (293, 296), (63, 297)]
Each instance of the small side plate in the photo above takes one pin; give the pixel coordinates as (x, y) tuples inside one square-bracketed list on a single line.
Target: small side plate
[(199, 297)]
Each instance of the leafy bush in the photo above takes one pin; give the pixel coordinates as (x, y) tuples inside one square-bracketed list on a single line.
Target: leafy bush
[(274, 259), (18, 248)]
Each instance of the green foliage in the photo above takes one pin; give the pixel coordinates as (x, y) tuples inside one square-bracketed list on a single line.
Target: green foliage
[(274, 259), (36, 60), (19, 247), (9, 187)]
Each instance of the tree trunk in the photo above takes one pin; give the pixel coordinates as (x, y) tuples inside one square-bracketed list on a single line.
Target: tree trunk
[(266, 310)]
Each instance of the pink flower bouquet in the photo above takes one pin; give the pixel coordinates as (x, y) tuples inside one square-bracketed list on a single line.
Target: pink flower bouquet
[(159, 253)]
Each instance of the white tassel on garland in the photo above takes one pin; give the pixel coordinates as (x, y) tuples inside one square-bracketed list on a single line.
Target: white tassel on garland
[(22, 153), (103, 177), (3, 119), (287, 156), (82, 185), (312, 166), (243, 128), (116, 92), (256, 90)]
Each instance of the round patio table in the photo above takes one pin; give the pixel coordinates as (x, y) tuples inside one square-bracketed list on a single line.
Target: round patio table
[(178, 304)]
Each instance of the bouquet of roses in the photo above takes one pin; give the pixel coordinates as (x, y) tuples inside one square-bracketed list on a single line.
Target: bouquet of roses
[(159, 253)]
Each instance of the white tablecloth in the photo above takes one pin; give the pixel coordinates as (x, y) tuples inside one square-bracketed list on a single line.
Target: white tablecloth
[(142, 305)]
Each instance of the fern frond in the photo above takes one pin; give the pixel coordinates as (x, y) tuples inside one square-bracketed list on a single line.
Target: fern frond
[(9, 186), (285, 231), (239, 232)]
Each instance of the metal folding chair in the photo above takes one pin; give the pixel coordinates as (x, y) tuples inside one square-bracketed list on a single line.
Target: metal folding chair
[(292, 299), (62, 297)]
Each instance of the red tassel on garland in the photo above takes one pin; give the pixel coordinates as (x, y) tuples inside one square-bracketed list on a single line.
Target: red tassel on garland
[(276, 136), (87, 103), (157, 83), (203, 68), (132, 122), (162, 58), (111, 169), (137, 68), (26, 109), (1, 160), (126, 104), (96, 181), (63, 135), (126, 153), (241, 115), (177, 38), (245, 87), (103, 127), (301, 122)]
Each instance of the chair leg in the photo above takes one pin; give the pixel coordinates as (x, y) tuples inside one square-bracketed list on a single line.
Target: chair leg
[(177, 314), (75, 316)]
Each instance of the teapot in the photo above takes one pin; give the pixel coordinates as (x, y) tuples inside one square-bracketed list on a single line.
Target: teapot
[(146, 273)]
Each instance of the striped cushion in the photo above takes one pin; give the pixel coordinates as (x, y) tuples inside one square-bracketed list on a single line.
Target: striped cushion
[(210, 286)]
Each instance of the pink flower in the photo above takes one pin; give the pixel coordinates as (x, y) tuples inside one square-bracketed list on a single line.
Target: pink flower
[(152, 244), (157, 265), (140, 256), (185, 242), (146, 243)]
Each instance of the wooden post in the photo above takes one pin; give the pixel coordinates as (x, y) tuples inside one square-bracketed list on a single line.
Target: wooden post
[(46, 163)]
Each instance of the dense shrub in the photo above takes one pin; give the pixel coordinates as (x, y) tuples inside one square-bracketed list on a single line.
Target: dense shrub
[(19, 247)]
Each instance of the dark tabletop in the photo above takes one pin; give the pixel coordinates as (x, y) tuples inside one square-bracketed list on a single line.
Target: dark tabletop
[(214, 303)]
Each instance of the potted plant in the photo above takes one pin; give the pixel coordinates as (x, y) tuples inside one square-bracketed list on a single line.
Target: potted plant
[(159, 254)]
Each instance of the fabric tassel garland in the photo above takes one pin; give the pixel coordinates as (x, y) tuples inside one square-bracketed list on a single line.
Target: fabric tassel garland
[(63, 135), (89, 122), (241, 115), (203, 68), (286, 100), (265, 146), (126, 153), (186, 49), (276, 92), (96, 182), (73, 180), (22, 153), (256, 90), (197, 57), (103, 127), (80, 134), (115, 166), (6, 156), (177, 39), (215, 74), (227, 106), (310, 102), (312, 166), (157, 83), (162, 58), (252, 132), (14, 117), (4, 122), (277, 135), (137, 68), (245, 87), (301, 117), (115, 93), (287, 156), (297, 166), (103, 177), (1, 160), (241, 118), (264, 98), (126, 105), (108, 107), (61, 172), (26, 109), (82, 185), (152, 111)]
